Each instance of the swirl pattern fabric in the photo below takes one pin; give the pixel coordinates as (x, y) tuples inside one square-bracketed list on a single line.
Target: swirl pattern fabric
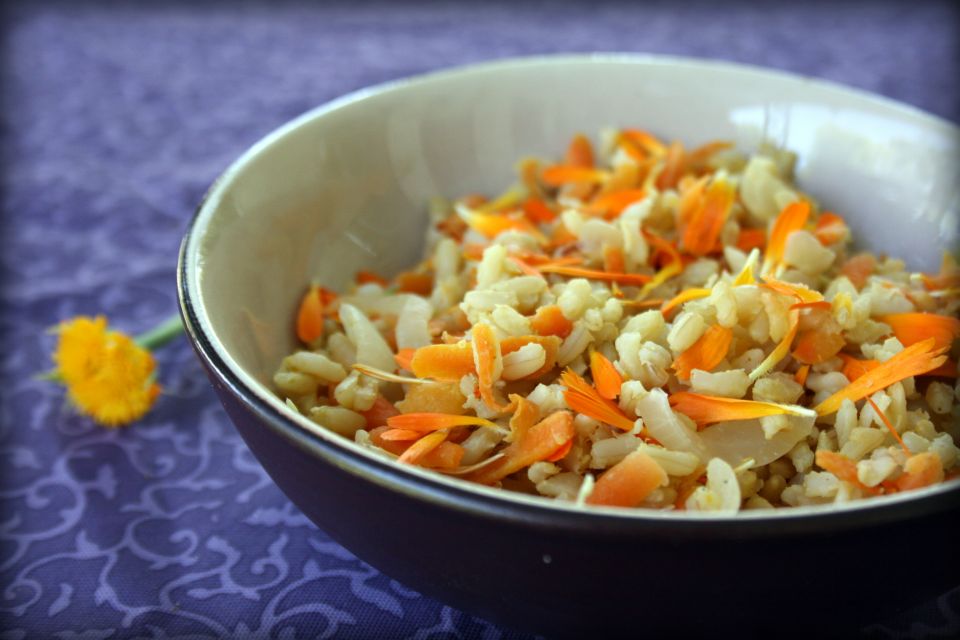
[(115, 119)]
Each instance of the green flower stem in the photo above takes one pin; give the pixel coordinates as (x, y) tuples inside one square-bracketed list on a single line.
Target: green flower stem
[(162, 333)]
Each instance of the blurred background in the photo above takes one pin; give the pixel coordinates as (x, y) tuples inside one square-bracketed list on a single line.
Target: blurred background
[(115, 118)]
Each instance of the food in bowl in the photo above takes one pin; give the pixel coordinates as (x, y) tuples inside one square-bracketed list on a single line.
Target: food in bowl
[(644, 326)]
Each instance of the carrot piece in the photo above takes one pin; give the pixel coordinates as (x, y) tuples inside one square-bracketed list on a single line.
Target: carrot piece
[(310, 316), (706, 410), (446, 456), (447, 362), (691, 199), (396, 447), (435, 421), (947, 370), (440, 397), (550, 344), (524, 268), (916, 359), (378, 414), (592, 274), (562, 236), (525, 415), (629, 482), (539, 442), (538, 211), (853, 368), (886, 422), (611, 204), (580, 152), (750, 239), (921, 470), (793, 218), (606, 378), (488, 362), (550, 321), (559, 175), (701, 235), (801, 375), (858, 269), (403, 435), (816, 346), (368, 277), (584, 398), (843, 467), (642, 142), (831, 228), (412, 282), (911, 328), (613, 260), (686, 295), (490, 225), (422, 447), (672, 167), (706, 353), (404, 357)]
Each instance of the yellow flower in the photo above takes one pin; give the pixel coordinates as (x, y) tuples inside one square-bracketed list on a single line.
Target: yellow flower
[(108, 376)]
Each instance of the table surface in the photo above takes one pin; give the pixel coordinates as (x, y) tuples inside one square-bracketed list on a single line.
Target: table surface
[(114, 121)]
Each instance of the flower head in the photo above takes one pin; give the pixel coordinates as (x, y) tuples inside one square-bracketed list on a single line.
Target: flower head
[(108, 376)]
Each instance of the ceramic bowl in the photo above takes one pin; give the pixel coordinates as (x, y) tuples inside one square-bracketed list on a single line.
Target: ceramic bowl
[(345, 187)]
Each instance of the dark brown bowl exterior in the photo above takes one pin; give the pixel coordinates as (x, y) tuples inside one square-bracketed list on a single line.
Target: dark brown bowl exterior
[(594, 575)]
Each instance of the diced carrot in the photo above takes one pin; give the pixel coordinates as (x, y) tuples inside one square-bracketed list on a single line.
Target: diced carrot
[(447, 455), (413, 282), (706, 353), (558, 175), (486, 358), (310, 316), (629, 482), (606, 378), (584, 398), (853, 368), (613, 260), (921, 470), (914, 360), (396, 447), (442, 397), (911, 328), (858, 269), (831, 228), (843, 467), (447, 362), (550, 321), (580, 152), (537, 211), (611, 204), (750, 239), (368, 277), (793, 218), (592, 274), (672, 168), (702, 233), (800, 377), (539, 442), (378, 414), (453, 227), (706, 410), (422, 447), (815, 345), (550, 344)]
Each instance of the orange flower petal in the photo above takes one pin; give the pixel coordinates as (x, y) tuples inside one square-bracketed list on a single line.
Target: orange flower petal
[(435, 421), (793, 218), (606, 378), (584, 398), (559, 175), (706, 353), (592, 274), (911, 328), (706, 410), (831, 228), (702, 233), (539, 442), (421, 447), (580, 152)]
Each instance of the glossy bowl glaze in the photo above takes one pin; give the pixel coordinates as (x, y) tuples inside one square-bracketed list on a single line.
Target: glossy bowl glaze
[(345, 187)]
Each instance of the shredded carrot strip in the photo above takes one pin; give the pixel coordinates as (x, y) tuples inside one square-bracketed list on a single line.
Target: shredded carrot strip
[(524, 268), (434, 421), (916, 359), (486, 356), (559, 175), (422, 447), (750, 239), (606, 378), (831, 228), (539, 442), (702, 234), (611, 204), (886, 422), (592, 274), (550, 321), (843, 467), (911, 328), (537, 210), (921, 470), (310, 316), (580, 152), (684, 296), (584, 398), (550, 344), (525, 415), (629, 482), (801, 375), (793, 218), (447, 362), (706, 410), (706, 353), (613, 260)]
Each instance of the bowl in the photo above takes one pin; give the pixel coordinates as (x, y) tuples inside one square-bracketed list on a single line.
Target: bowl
[(345, 187)]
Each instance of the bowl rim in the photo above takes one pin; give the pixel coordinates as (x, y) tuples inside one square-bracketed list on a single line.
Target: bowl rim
[(484, 501)]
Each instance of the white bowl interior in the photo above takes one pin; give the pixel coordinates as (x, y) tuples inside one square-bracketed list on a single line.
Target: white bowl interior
[(346, 186)]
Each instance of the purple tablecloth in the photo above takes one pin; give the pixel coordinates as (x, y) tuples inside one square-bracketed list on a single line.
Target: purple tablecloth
[(115, 119)]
